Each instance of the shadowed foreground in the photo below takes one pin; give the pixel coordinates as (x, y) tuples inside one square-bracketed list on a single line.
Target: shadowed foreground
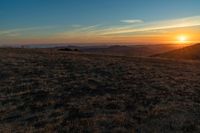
[(50, 90)]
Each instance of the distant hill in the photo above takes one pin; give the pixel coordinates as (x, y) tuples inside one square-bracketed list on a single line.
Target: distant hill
[(134, 50), (187, 53)]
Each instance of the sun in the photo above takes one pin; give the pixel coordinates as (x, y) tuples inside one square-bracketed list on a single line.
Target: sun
[(182, 39)]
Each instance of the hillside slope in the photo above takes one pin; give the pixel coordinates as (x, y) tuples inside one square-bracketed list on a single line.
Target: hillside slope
[(134, 50), (188, 53), (54, 91)]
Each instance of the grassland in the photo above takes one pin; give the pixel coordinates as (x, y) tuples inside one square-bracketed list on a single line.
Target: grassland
[(46, 90), (186, 53)]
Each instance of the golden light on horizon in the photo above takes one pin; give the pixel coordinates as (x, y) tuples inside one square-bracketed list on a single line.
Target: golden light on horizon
[(182, 39)]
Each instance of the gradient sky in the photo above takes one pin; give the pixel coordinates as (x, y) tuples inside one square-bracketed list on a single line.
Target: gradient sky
[(93, 21)]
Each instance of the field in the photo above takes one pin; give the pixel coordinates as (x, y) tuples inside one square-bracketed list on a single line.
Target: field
[(46, 90)]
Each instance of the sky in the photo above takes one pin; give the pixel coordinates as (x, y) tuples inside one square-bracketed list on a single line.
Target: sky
[(98, 21)]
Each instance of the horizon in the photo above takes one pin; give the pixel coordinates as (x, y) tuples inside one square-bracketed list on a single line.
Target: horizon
[(93, 45), (99, 22)]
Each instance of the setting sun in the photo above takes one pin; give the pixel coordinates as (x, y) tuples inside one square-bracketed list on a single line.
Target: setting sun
[(182, 39)]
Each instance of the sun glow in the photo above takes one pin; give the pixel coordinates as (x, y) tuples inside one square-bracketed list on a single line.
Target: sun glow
[(182, 39)]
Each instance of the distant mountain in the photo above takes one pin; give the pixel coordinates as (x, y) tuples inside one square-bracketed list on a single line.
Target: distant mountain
[(187, 53), (133, 50)]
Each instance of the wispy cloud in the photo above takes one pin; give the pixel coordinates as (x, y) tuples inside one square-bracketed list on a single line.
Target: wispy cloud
[(17, 31), (132, 21), (89, 28), (158, 25), (81, 33), (117, 32)]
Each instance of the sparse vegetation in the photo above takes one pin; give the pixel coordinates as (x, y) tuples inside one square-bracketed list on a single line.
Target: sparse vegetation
[(187, 53), (47, 90)]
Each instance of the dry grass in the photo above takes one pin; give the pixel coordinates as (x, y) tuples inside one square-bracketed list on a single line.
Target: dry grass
[(186, 53), (55, 91)]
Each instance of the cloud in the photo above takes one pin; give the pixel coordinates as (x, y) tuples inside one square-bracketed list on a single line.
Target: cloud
[(17, 31), (127, 30), (79, 31), (157, 25), (89, 28), (130, 28), (132, 21), (13, 34)]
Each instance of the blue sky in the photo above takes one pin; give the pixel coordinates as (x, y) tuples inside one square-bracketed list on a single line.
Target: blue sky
[(39, 19)]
